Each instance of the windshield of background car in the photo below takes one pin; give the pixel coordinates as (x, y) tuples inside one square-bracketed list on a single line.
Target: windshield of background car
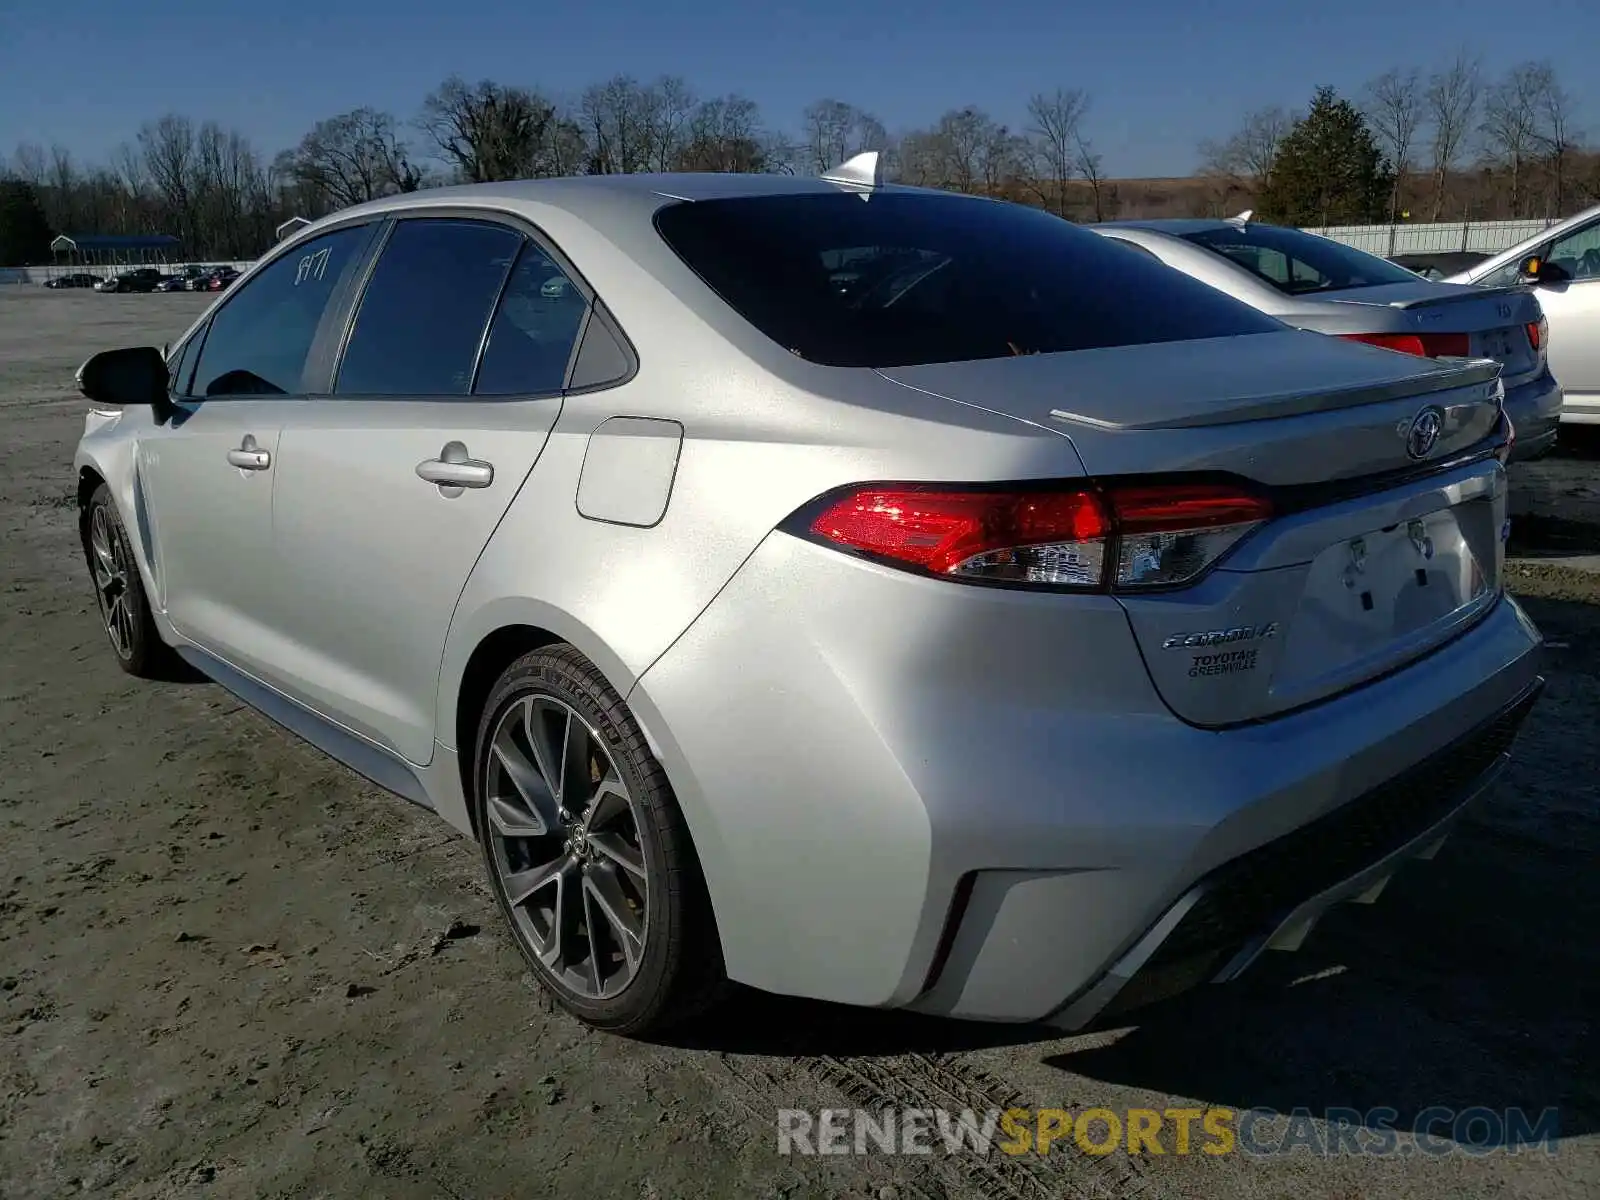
[(903, 279), (1296, 263)]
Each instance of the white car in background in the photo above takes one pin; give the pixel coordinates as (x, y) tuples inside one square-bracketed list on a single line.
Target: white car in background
[(1563, 266)]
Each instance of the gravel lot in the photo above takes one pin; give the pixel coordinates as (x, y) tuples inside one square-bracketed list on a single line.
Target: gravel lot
[(228, 967)]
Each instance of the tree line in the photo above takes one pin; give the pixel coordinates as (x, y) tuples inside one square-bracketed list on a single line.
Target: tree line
[(1443, 144)]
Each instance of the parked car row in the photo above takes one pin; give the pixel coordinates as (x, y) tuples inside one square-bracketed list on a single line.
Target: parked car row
[(925, 603), (151, 279)]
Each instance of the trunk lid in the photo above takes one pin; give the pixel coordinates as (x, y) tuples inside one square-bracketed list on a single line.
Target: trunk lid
[(1354, 577), (1495, 319)]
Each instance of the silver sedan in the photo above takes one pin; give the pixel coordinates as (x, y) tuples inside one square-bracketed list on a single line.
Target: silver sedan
[(858, 592), (1316, 283)]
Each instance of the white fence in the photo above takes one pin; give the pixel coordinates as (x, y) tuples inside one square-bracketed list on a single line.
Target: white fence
[(1486, 237)]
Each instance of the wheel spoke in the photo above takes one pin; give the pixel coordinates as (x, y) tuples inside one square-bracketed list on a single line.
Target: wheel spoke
[(548, 727), (531, 811), (521, 885), (610, 803), (605, 899), (617, 850), (555, 952)]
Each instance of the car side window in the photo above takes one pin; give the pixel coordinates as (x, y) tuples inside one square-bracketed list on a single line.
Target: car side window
[(1578, 253), (424, 311), (1501, 276), (180, 367), (260, 338), (534, 330)]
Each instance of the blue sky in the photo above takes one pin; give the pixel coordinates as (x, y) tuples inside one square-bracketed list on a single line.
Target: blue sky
[(1163, 74)]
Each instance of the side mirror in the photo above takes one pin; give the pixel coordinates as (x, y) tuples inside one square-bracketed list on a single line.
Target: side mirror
[(1534, 269), (136, 375)]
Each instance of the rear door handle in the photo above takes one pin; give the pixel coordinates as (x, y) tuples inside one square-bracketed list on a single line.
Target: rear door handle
[(249, 457), (454, 468)]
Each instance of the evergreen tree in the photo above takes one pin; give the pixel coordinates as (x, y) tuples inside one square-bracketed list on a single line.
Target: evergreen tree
[(1329, 169)]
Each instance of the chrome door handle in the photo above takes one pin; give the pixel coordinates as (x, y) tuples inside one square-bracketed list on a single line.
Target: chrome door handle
[(455, 469), (248, 457)]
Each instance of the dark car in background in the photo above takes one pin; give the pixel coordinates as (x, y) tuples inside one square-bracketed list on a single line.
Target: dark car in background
[(76, 280), (140, 279), (1440, 264), (219, 279)]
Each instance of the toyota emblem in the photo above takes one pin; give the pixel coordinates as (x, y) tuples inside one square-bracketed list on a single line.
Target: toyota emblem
[(1423, 435)]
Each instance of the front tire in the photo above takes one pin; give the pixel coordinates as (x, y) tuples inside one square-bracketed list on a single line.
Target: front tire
[(587, 852), (119, 592)]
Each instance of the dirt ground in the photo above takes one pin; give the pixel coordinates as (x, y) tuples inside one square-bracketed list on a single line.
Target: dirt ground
[(229, 967)]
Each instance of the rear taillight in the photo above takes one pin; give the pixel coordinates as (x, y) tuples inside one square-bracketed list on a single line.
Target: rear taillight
[(1428, 345), (1081, 538), (1537, 332)]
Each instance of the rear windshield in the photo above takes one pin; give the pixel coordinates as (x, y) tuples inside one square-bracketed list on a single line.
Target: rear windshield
[(907, 278), (1296, 263)]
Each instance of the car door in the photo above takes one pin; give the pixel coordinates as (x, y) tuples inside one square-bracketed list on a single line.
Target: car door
[(392, 482), (1573, 309), (206, 475)]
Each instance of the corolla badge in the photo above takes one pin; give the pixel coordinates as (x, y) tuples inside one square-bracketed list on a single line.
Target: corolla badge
[(1422, 435)]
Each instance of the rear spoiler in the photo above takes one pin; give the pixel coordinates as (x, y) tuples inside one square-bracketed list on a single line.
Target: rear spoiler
[(1475, 293), (1444, 375)]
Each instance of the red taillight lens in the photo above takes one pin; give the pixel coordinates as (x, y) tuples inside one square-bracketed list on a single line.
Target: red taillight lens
[(1083, 537), (1428, 345), (1537, 332), (1031, 537)]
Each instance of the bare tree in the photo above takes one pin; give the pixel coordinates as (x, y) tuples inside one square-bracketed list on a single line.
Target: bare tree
[(168, 145), (1556, 136), (1450, 105), (1246, 157), (1089, 163), (725, 135), (1393, 107), (669, 105), (620, 120), (1053, 131), (29, 163), (489, 131), (833, 131), (1512, 112), (351, 158)]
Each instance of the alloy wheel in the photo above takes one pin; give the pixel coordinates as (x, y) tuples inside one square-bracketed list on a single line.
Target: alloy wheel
[(565, 844), (112, 564)]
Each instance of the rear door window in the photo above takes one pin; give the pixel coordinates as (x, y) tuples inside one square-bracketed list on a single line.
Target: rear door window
[(1296, 263), (425, 309), (531, 340), (908, 278), (259, 340)]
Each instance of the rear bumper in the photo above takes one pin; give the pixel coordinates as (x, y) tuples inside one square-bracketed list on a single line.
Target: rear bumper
[(1535, 409), (1272, 897), (1584, 410), (971, 802)]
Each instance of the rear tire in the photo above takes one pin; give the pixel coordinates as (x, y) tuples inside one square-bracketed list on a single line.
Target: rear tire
[(119, 593), (587, 852)]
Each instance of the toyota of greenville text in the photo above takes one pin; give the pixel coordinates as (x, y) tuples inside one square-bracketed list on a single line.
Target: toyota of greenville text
[(854, 591)]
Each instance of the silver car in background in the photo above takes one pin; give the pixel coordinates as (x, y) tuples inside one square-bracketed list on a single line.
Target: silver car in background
[(1562, 265), (860, 592), (1315, 283)]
